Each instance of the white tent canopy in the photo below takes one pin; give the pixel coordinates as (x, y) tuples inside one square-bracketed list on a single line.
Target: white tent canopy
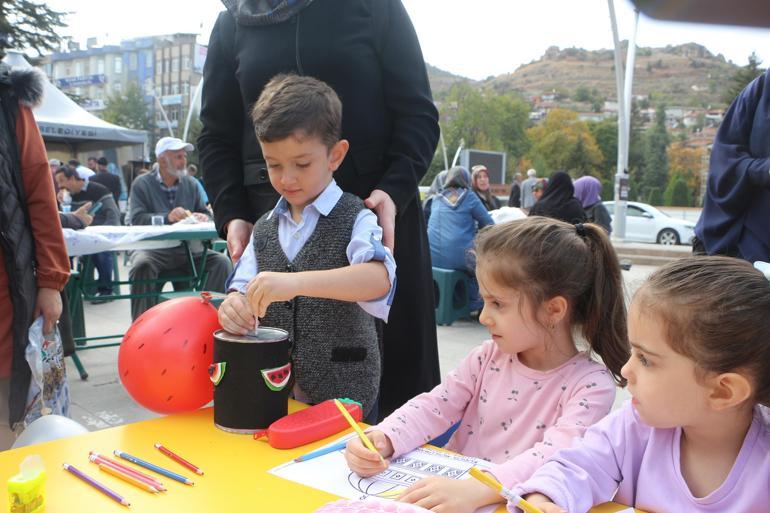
[(61, 119)]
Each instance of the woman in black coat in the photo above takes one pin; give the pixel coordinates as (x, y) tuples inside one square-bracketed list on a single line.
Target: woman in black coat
[(558, 201), (368, 52)]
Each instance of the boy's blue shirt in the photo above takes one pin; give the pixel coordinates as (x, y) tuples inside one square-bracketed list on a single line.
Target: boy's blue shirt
[(365, 245)]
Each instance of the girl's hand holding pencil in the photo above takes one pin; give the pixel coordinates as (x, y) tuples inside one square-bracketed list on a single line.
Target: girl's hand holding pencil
[(544, 503), (362, 460)]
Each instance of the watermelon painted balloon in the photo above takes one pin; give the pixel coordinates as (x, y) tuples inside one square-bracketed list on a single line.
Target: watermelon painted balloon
[(165, 355)]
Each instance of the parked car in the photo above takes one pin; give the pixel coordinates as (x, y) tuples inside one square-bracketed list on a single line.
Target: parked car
[(645, 223)]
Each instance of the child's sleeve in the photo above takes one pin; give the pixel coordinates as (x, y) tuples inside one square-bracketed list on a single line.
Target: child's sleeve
[(366, 246), (244, 270), (431, 414), (588, 473), (590, 401)]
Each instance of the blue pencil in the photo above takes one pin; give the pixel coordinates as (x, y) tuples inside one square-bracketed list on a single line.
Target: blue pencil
[(322, 451), (149, 466)]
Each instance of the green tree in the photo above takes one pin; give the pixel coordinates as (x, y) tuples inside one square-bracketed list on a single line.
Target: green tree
[(128, 110), (25, 24), (742, 77), (605, 133), (655, 168), (677, 193), (654, 197)]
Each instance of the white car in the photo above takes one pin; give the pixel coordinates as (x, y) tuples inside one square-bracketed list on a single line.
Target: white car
[(645, 223)]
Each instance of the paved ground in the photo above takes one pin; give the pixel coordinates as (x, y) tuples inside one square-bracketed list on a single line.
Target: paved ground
[(101, 401)]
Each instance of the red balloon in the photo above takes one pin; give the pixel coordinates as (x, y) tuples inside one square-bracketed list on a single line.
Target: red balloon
[(165, 355)]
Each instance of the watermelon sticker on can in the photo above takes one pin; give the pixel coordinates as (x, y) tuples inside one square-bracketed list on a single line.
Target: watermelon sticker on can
[(252, 375)]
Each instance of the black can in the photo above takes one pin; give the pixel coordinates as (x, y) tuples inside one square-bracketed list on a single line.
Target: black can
[(252, 379)]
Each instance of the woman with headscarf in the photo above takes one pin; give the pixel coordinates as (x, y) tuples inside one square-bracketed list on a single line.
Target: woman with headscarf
[(456, 215), (435, 186), (480, 179), (588, 190), (558, 200)]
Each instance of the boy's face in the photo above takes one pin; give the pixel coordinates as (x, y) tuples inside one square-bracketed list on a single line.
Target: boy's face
[(300, 167)]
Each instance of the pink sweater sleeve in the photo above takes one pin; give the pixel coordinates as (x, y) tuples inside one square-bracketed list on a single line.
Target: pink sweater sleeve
[(590, 401), (430, 414), (588, 473)]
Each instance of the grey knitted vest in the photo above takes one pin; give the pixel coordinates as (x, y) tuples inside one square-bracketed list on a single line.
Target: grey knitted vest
[(336, 349)]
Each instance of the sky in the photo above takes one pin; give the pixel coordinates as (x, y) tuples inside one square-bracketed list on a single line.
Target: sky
[(474, 39)]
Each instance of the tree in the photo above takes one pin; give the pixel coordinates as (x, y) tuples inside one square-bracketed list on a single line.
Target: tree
[(687, 163), (605, 133), (655, 168), (677, 193), (25, 24), (742, 77), (128, 110), (563, 142)]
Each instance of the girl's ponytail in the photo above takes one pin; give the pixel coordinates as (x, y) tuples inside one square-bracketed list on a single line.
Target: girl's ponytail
[(601, 310)]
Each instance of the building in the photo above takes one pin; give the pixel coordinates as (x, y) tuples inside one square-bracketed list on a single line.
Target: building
[(167, 69)]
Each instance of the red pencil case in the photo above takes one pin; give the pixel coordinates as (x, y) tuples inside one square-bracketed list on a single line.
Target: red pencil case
[(309, 425)]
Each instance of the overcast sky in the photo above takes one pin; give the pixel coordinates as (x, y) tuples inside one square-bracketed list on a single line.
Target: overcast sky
[(474, 39)]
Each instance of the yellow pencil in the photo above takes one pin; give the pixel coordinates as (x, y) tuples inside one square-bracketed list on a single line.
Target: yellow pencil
[(493, 483), (357, 429), (128, 478)]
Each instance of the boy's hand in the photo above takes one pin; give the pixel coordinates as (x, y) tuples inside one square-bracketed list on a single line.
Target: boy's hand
[(383, 206), (268, 287), (544, 503), (235, 314), (449, 495), (364, 462)]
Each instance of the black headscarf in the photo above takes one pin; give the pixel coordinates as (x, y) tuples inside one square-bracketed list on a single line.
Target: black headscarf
[(558, 201)]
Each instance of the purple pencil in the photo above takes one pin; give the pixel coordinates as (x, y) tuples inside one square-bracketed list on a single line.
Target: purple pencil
[(106, 491)]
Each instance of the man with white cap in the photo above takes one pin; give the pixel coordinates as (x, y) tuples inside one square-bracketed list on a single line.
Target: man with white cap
[(168, 192)]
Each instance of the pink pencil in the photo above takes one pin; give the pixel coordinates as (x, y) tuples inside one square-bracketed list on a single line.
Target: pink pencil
[(99, 459)]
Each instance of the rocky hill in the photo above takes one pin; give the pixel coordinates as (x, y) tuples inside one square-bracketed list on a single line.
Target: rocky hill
[(685, 75)]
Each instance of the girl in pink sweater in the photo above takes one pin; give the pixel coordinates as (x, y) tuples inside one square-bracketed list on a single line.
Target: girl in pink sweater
[(694, 437), (528, 391)]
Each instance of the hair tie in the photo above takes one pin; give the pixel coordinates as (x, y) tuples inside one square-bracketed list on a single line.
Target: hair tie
[(580, 229)]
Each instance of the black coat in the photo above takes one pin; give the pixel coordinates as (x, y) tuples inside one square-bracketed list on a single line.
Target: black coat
[(368, 52)]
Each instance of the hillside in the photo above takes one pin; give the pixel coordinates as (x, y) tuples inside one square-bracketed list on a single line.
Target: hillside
[(685, 75)]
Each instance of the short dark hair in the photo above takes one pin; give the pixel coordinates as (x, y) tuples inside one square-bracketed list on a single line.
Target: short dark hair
[(714, 311), (73, 162), (291, 103), (92, 158), (102, 161), (68, 172)]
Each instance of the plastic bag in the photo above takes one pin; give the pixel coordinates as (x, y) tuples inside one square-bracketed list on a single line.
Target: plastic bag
[(48, 388)]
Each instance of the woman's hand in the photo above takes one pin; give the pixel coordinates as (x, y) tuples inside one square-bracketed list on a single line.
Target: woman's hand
[(444, 495), (238, 233), (363, 461)]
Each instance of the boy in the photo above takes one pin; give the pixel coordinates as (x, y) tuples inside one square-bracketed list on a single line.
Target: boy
[(316, 253)]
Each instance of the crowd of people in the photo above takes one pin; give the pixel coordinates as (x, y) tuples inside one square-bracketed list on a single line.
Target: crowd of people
[(312, 175)]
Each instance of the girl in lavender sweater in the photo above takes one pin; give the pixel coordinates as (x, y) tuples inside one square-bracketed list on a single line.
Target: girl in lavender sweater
[(528, 391), (694, 438)]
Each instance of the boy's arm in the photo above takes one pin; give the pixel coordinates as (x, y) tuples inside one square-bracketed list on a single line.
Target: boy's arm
[(359, 282)]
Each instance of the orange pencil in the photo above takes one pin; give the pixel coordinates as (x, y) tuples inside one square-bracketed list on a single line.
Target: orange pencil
[(128, 478), (99, 459), (179, 459)]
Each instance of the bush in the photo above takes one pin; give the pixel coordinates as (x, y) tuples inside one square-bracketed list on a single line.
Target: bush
[(654, 197), (677, 193)]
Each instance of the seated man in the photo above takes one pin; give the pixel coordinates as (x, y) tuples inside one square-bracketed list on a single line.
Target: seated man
[(84, 191), (168, 192)]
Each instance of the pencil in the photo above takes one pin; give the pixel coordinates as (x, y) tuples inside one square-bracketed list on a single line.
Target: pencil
[(98, 458), (179, 459), (357, 429), (127, 478), (106, 491), (150, 466), (322, 451), (504, 492)]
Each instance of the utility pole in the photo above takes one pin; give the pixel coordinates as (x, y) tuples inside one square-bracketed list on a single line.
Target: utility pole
[(624, 121)]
